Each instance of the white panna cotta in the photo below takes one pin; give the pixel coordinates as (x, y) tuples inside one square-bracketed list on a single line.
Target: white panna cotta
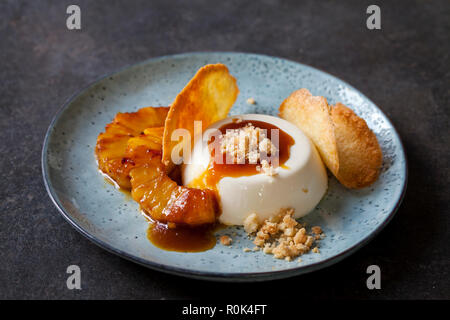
[(299, 183)]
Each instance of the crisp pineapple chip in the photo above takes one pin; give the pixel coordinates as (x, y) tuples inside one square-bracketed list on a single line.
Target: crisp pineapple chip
[(207, 97), (360, 156), (312, 115)]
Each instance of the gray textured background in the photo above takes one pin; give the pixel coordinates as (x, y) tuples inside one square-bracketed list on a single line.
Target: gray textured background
[(404, 69)]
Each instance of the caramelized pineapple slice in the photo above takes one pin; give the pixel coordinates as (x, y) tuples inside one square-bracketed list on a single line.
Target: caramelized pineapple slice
[(158, 195), (165, 201), (112, 144)]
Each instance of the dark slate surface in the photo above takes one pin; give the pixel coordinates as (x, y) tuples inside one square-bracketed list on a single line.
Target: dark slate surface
[(404, 68)]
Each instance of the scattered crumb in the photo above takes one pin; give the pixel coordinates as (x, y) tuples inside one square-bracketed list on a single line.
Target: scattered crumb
[(251, 223), (225, 240), (305, 190), (316, 230), (251, 101), (309, 241), (282, 236)]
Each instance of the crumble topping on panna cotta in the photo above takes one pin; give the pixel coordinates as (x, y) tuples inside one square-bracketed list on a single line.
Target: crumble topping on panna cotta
[(255, 168)]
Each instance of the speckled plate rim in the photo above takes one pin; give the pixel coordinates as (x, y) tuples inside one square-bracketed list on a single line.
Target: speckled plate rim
[(211, 275)]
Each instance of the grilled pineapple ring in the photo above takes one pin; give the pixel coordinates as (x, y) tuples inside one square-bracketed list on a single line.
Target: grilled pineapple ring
[(112, 144), (129, 152)]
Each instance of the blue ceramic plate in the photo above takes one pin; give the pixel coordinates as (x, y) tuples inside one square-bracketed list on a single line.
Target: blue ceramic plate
[(112, 220)]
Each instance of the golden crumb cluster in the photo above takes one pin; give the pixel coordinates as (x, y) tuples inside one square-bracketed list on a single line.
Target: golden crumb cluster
[(282, 235), (247, 144)]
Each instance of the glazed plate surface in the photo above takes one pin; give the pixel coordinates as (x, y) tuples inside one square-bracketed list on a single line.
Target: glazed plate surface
[(112, 220)]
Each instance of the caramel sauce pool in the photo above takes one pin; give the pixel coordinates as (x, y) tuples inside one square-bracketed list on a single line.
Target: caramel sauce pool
[(182, 238)]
